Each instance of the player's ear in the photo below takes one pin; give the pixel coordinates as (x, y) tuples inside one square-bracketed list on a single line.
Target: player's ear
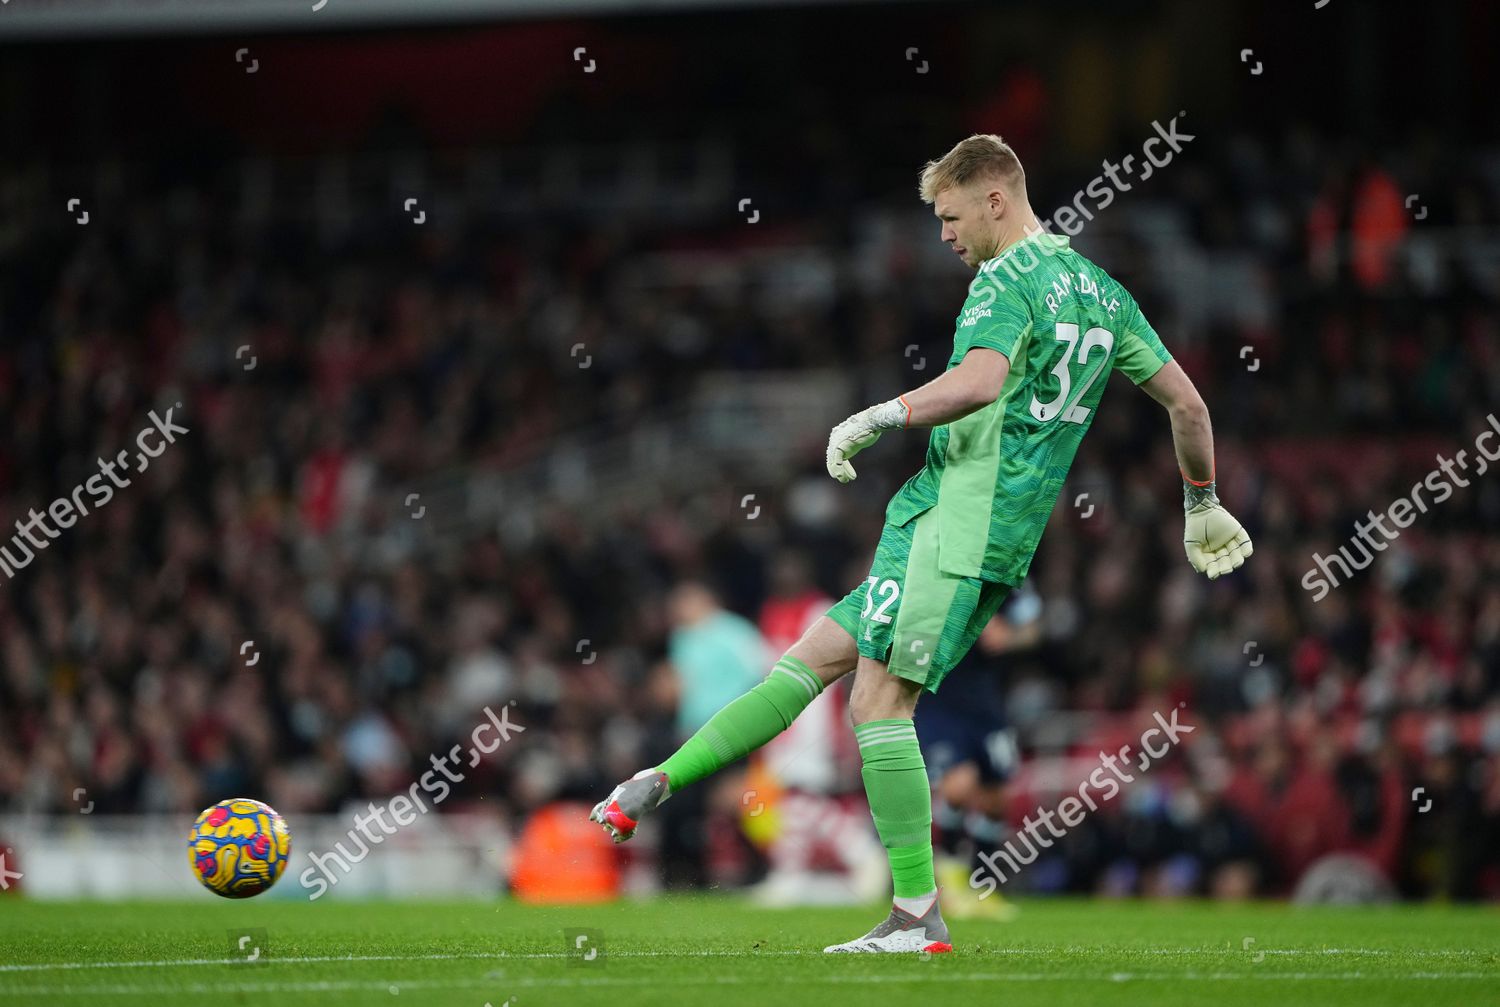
[(998, 201)]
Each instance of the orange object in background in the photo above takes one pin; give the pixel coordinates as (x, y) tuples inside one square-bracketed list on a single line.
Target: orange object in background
[(1379, 225), (563, 858), (758, 817)]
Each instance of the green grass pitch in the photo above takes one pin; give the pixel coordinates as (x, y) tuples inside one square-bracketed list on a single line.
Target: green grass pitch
[(723, 952)]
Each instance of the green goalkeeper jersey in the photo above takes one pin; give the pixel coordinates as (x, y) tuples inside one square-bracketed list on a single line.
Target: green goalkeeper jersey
[(995, 474)]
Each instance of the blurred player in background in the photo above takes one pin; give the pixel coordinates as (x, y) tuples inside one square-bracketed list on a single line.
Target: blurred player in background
[(715, 656), (1041, 326), (971, 753)]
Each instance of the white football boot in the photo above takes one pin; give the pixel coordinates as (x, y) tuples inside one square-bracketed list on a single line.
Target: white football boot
[(901, 931)]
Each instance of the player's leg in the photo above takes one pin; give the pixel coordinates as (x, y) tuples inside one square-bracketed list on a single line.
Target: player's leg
[(895, 777), (882, 707), (824, 654), (925, 623)]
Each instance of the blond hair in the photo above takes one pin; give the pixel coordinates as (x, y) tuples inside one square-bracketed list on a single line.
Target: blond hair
[(983, 156)]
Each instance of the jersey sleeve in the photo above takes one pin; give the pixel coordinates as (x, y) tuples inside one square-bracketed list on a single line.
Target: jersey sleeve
[(993, 320), (1141, 351)]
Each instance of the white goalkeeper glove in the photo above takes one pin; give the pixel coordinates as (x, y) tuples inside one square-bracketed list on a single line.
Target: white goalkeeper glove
[(1215, 542), (859, 431)]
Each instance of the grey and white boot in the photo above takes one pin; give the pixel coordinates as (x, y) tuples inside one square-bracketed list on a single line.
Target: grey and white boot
[(628, 803), (902, 931)]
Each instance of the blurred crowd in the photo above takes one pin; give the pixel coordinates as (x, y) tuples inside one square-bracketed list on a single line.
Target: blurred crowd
[(259, 612)]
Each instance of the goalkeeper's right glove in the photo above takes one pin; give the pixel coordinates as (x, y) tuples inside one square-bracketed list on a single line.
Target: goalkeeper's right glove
[(861, 430), (1215, 542)]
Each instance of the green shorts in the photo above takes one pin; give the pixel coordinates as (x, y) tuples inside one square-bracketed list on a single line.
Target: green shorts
[(917, 619)]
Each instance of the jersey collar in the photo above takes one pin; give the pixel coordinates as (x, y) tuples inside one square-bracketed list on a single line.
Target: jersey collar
[(1047, 242)]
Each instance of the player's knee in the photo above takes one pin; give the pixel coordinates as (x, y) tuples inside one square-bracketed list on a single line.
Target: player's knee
[(827, 649), (863, 709), (879, 695)]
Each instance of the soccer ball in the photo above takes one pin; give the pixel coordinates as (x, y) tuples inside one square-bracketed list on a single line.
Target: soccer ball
[(239, 847)]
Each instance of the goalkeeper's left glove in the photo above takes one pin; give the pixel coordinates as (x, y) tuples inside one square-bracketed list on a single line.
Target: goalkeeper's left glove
[(1215, 542), (861, 430)]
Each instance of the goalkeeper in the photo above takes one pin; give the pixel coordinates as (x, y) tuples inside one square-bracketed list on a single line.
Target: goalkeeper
[(1041, 328)]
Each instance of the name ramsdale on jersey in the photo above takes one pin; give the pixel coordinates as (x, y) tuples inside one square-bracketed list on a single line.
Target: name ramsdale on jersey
[(1064, 285)]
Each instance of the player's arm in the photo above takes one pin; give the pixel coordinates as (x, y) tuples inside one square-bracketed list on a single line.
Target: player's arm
[(972, 384), (1214, 541), (1192, 433)]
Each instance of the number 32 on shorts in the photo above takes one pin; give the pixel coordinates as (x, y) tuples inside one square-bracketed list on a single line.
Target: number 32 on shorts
[(889, 590)]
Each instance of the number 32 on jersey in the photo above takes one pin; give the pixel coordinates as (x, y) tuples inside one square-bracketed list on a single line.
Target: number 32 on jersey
[(1065, 404)]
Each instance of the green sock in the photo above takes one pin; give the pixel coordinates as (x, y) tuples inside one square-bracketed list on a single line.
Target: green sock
[(744, 724), (900, 801)]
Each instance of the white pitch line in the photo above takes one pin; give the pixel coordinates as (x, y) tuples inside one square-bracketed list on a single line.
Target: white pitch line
[(301, 960), (543, 955), (933, 976)]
